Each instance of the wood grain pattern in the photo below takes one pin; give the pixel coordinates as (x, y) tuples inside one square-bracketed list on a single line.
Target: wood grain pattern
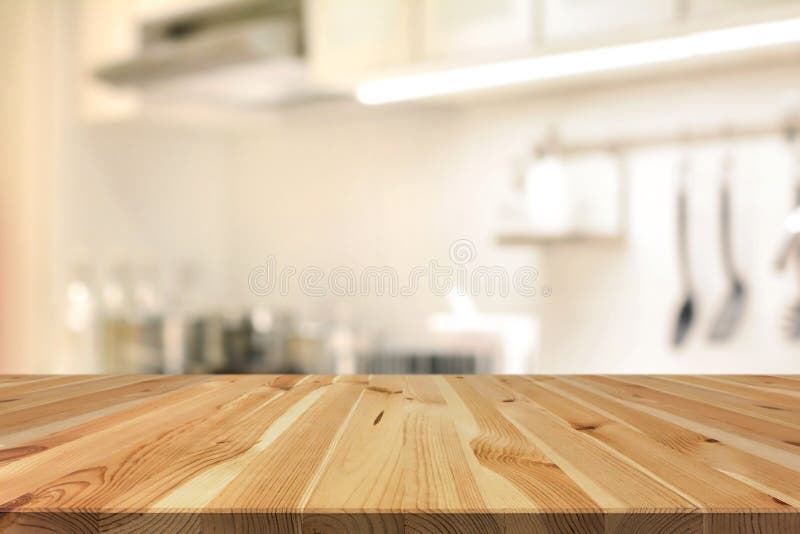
[(292, 453)]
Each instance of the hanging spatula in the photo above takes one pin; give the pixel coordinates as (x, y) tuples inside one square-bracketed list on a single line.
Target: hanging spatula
[(729, 315)]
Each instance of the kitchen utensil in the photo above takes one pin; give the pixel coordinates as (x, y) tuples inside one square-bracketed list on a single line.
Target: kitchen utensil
[(791, 319), (791, 243), (791, 250), (730, 314), (688, 307)]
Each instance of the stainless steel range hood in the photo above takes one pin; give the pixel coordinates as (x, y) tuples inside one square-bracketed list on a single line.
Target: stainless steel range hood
[(241, 52)]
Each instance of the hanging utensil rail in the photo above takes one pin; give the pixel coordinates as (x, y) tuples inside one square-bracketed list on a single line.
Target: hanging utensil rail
[(726, 133)]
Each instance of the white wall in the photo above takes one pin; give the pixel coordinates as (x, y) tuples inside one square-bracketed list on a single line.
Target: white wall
[(134, 192), (396, 186), (624, 303), (147, 193), (368, 188)]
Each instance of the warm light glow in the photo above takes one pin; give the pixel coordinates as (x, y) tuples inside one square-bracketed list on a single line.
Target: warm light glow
[(582, 62)]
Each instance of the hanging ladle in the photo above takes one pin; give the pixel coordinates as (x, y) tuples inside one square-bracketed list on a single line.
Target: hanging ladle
[(687, 309)]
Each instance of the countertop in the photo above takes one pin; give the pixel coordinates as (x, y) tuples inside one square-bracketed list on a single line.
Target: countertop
[(319, 453)]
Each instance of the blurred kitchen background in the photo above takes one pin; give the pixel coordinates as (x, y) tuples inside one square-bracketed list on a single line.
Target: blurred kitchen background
[(640, 156)]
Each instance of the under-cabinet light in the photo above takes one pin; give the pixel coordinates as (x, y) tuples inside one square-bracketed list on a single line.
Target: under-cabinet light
[(698, 44)]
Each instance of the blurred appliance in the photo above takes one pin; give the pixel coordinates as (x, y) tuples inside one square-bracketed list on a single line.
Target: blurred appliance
[(235, 52), (423, 363)]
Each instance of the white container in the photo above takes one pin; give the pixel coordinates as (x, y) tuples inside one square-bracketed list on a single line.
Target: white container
[(548, 197)]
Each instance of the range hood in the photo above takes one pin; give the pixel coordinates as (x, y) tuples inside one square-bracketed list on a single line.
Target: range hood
[(241, 52)]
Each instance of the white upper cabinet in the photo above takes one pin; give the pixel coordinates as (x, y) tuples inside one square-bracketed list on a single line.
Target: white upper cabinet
[(576, 21), (348, 39), (107, 32), (459, 28), (705, 8), (347, 42), (150, 9)]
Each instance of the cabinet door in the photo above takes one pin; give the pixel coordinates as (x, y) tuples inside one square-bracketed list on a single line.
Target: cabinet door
[(703, 8), (108, 32), (452, 28), (347, 40), (153, 9), (587, 20)]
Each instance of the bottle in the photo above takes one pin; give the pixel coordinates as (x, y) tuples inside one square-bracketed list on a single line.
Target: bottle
[(340, 344), (145, 352), (115, 320), (80, 323)]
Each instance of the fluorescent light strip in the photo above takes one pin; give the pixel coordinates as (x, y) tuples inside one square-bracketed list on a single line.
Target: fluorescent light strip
[(582, 62)]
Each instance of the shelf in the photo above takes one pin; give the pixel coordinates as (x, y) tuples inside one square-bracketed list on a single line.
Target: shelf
[(533, 239)]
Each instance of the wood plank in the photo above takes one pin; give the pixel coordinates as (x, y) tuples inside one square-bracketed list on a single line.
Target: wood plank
[(504, 449), (47, 414), (756, 471), (128, 458), (610, 479), (773, 441), (294, 458), (77, 386), (396, 453), (50, 432), (690, 477), (767, 399), (775, 410), (17, 388)]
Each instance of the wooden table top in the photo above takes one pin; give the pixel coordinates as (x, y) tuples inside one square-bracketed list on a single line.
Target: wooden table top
[(424, 453)]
